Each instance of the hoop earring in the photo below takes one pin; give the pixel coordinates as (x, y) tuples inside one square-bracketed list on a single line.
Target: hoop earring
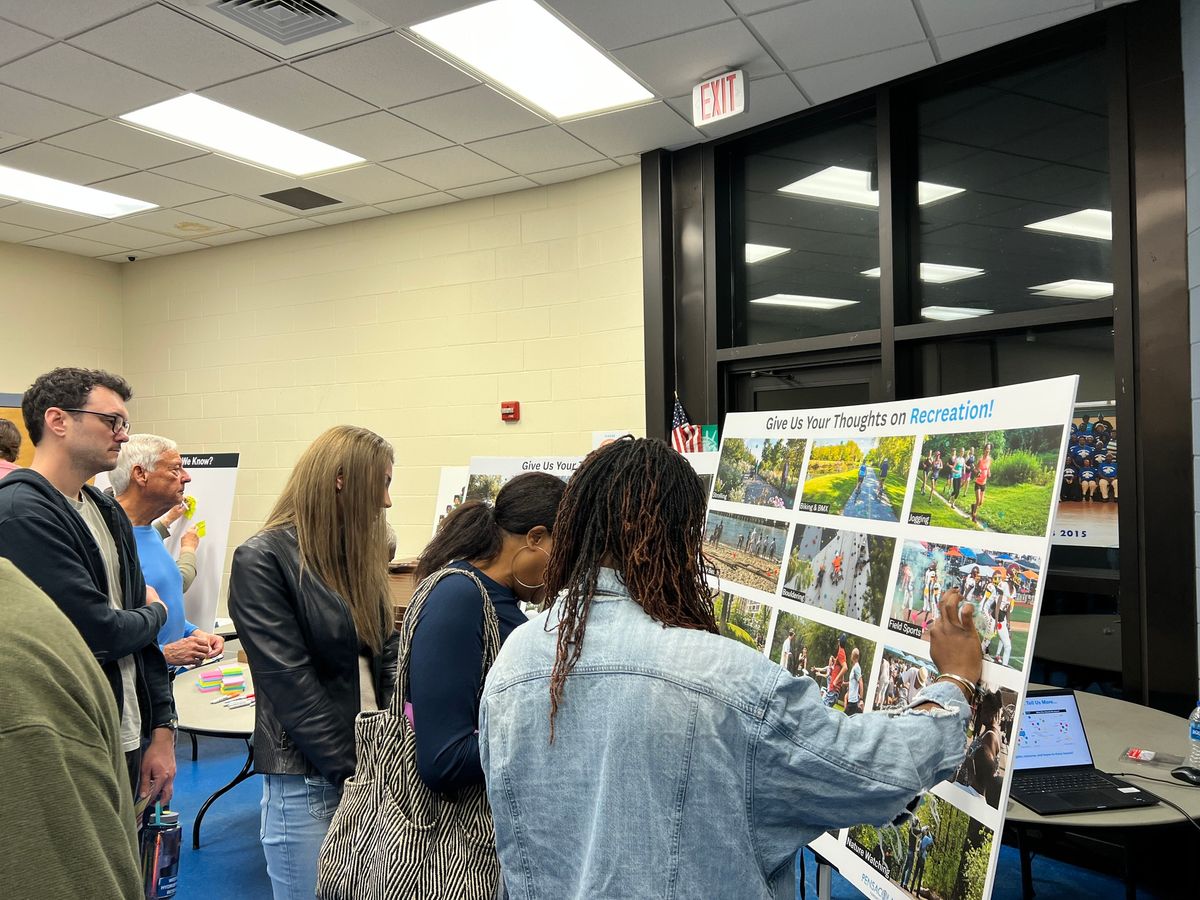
[(530, 587)]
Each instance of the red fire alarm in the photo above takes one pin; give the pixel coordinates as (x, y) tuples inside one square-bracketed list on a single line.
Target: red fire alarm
[(510, 411)]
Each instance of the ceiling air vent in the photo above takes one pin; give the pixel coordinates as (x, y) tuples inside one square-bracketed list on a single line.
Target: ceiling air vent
[(287, 28), (300, 198)]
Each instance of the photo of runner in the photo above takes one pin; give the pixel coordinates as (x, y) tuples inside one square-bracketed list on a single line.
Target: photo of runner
[(988, 480), (746, 550), (842, 571), (1002, 586), (936, 852), (839, 662), (860, 477), (742, 620), (760, 471)]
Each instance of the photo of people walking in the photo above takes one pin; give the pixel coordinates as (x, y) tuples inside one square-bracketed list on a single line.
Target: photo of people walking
[(988, 480), (842, 571), (864, 478), (760, 471), (746, 550), (839, 662)]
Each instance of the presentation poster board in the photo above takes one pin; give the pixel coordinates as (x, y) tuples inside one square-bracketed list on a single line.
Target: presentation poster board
[(489, 473), (452, 491), (1090, 489), (853, 521), (10, 408)]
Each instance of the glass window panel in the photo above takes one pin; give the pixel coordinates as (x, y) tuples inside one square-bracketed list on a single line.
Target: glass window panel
[(806, 228), (1031, 227)]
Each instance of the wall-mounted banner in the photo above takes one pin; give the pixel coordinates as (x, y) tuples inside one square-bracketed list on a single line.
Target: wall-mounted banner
[(487, 474), (452, 491), (835, 533)]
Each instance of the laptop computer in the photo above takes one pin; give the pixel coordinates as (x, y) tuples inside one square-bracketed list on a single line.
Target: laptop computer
[(1053, 770)]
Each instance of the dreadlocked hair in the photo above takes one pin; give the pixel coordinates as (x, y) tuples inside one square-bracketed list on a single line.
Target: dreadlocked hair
[(637, 506)]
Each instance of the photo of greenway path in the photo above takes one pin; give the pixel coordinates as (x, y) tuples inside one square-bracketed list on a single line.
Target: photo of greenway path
[(743, 620), (745, 550), (1003, 587), (938, 852), (760, 471), (864, 478), (989, 735), (988, 480), (485, 487), (838, 661), (842, 571)]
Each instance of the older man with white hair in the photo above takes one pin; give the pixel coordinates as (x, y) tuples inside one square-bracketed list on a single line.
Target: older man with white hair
[(148, 481)]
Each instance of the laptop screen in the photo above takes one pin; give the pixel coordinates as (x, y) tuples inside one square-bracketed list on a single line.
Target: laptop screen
[(1051, 734)]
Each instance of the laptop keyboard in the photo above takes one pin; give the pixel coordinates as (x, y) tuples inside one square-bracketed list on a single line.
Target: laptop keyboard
[(1057, 783)]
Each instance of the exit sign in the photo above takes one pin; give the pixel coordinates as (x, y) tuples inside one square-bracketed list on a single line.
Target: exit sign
[(719, 98)]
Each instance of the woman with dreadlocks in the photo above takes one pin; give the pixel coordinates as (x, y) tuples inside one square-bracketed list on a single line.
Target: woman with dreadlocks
[(624, 740)]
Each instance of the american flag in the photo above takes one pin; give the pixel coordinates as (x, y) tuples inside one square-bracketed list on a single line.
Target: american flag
[(685, 437)]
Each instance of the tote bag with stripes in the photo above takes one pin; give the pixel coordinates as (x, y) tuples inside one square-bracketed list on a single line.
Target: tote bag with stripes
[(392, 838)]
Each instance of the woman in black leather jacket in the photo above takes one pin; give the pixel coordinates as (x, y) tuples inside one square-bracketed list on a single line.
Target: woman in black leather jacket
[(309, 597)]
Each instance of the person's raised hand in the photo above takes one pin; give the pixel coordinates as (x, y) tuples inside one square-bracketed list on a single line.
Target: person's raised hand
[(173, 514), (953, 642), (190, 540), (188, 651)]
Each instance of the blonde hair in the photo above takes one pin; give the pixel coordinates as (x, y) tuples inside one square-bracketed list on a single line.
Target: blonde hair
[(342, 533)]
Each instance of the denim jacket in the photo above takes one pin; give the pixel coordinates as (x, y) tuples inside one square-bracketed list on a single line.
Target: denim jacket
[(684, 764)]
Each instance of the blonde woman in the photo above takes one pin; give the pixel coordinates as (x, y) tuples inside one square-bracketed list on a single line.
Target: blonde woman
[(309, 596)]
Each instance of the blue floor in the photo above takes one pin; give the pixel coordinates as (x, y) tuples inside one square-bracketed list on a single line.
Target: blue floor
[(229, 865)]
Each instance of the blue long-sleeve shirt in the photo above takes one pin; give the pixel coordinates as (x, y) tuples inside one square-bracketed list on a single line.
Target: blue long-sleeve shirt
[(446, 676), (162, 574)]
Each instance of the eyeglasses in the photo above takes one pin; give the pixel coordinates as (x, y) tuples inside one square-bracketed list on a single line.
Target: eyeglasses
[(115, 422)]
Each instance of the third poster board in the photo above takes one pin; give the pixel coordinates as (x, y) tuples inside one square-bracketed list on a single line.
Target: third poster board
[(835, 533)]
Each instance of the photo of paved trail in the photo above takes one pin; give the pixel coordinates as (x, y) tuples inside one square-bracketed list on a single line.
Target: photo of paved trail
[(842, 571), (745, 550), (832, 483), (760, 471)]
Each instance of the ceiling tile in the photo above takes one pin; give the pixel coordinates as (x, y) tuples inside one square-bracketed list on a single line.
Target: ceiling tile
[(287, 227), (401, 13), (167, 45), (288, 98), (846, 76), (67, 165), (619, 23), (70, 244), (61, 20), (54, 220), (227, 176), (503, 186), (235, 211), (178, 247), (174, 223), (70, 76), (570, 173), (471, 115), (822, 31), (16, 41), (349, 215), (367, 184), (425, 200), (673, 65), (15, 234), (125, 144), (387, 71), (229, 237), (955, 45), (121, 236), (543, 148), (767, 99), (154, 188), (635, 130), (449, 168), (948, 16), (749, 7), (34, 117), (378, 136)]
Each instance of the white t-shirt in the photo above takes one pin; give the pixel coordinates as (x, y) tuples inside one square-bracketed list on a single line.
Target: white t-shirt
[(852, 689), (131, 715), (366, 685)]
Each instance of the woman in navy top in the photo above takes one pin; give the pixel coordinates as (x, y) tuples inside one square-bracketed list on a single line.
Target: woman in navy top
[(507, 546)]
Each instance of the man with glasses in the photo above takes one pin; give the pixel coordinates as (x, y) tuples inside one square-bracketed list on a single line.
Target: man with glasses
[(77, 545), (148, 481)]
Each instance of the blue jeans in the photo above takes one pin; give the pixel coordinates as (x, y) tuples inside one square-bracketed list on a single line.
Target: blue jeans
[(296, 811)]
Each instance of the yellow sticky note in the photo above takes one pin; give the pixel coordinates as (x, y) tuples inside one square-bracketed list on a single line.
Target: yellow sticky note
[(201, 528), (190, 503)]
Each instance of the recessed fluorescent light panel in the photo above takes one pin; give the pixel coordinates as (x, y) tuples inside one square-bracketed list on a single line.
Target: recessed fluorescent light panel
[(214, 126), (799, 301), (527, 50), (1075, 289), (756, 253), (936, 273), (853, 186), (1087, 223), (45, 191), (952, 313)]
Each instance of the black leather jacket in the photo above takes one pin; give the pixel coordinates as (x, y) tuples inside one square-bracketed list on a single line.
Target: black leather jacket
[(303, 650)]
